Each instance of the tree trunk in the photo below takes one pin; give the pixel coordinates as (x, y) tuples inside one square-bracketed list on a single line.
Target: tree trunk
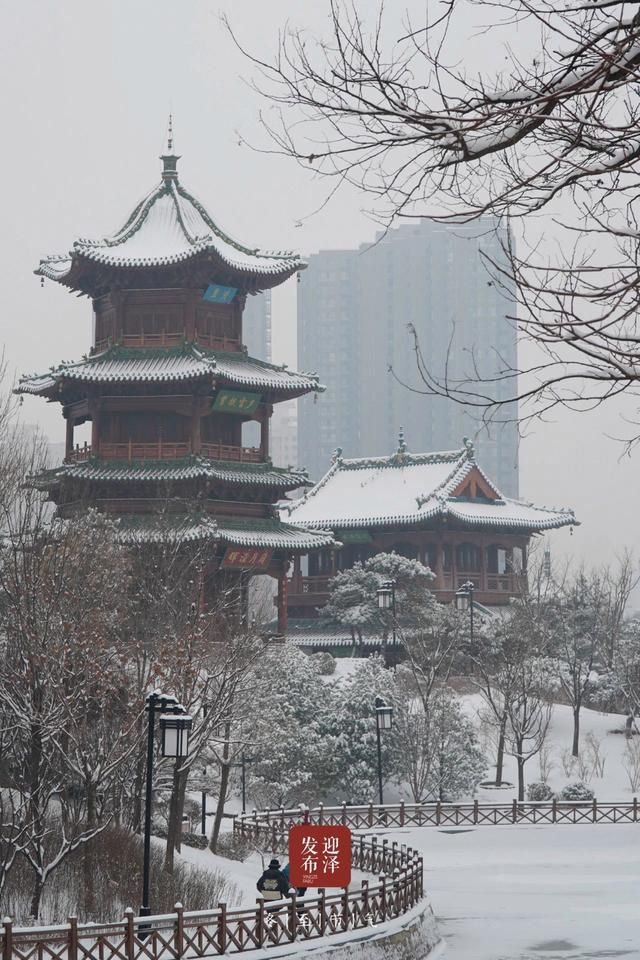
[(88, 866), (628, 727), (575, 747), (222, 796), (521, 763), (501, 747), (138, 784), (174, 823), (182, 794), (224, 784), (37, 896)]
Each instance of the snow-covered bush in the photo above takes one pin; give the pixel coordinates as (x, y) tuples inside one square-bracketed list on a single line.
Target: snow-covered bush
[(326, 663), (576, 791), (198, 840), (539, 792), (436, 749), (352, 766)]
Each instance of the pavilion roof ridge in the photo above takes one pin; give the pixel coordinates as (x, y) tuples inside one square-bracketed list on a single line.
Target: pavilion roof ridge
[(168, 226)]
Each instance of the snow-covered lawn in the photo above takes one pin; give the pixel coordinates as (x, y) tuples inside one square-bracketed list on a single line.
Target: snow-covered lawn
[(559, 892), (614, 785)]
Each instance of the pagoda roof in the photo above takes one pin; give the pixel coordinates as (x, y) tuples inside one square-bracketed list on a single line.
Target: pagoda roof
[(188, 361), (270, 533), (186, 468), (413, 489), (169, 227)]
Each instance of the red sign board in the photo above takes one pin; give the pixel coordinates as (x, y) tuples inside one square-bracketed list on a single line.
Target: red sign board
[(247, 558), (319, 856)]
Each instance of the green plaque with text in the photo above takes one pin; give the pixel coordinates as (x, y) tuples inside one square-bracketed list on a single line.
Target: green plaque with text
[(232, 401)]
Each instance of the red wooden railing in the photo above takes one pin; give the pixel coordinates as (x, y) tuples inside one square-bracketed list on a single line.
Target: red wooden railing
[(163, 450), (397, 888)]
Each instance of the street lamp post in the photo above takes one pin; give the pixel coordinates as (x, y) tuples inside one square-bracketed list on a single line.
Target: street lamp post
[(384, 721), (464, 601), (387, 602), (243, 763), (175, 729)]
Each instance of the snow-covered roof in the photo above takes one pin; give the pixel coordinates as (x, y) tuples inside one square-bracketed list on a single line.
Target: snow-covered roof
[(414, 489), (160, 364), (259, 532), (186, 468), (170, 227)]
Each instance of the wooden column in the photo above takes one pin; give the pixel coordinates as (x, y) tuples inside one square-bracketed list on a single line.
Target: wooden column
[(196, 442), (68, 446), (483, 564), (190, 316), (296, 580), (282, 602), (267, 410), (94, 408), (438, 570)]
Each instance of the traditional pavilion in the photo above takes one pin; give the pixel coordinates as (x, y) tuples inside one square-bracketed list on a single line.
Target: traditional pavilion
[(439, 508), (168, 386)]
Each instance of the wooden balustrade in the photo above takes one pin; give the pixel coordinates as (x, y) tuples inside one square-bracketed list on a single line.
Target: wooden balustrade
[(170, 339), (164, 450), (398, 887)]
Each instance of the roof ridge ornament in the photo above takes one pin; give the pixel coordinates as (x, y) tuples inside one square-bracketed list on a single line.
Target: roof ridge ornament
[(170, 158), (468, 445), (402, 445)]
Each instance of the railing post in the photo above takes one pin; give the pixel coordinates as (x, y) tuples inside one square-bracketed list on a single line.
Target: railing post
[(385, 853), (293, 917), (514, 811), (420, 877), (320, 813), (361, 853), (396, 895), (554, 810), (365, 901), (383, 896), (222, 928), (594, 810), (475, 811), (179, 930), (374, 853), (72, 947), (370, 814), (129, 934), (394, 853), (260, 924), (323, 911), (402, 813), (635, 809), (7, 938), (438, 809), (344, 813), (345, 909)]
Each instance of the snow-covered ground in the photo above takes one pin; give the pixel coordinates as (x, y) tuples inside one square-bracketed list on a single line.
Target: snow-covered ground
[(560, 892), (553, 892), (613, 785)]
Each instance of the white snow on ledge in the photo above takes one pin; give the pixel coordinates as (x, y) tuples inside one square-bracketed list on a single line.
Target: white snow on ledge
[(373, 939)]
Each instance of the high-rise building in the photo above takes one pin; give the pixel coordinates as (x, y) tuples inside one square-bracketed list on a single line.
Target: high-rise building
[(355, 308), (257, 325)]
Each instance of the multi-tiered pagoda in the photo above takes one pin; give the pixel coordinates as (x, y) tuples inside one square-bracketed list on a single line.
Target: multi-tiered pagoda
[(168, 386)]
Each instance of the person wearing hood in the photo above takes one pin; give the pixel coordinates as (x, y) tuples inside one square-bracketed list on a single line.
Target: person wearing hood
[(273, 885)]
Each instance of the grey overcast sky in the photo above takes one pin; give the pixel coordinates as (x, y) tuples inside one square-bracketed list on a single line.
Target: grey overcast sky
[(87, 88)]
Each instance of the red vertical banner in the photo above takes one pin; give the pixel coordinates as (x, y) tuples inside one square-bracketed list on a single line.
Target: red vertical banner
[(319, 856)]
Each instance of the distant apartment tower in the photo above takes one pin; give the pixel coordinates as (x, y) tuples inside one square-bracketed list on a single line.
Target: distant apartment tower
[(257, 325), (354, 309)]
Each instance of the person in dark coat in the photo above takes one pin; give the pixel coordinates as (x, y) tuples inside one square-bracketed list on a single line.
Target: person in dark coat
[(272, 884), (299, 890)]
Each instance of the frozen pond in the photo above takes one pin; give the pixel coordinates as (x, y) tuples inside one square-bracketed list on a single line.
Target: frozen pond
[(559, 892)]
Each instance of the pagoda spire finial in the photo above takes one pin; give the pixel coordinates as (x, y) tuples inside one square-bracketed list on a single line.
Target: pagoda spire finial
[(402, 444), (170, 158), (170, 135)]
